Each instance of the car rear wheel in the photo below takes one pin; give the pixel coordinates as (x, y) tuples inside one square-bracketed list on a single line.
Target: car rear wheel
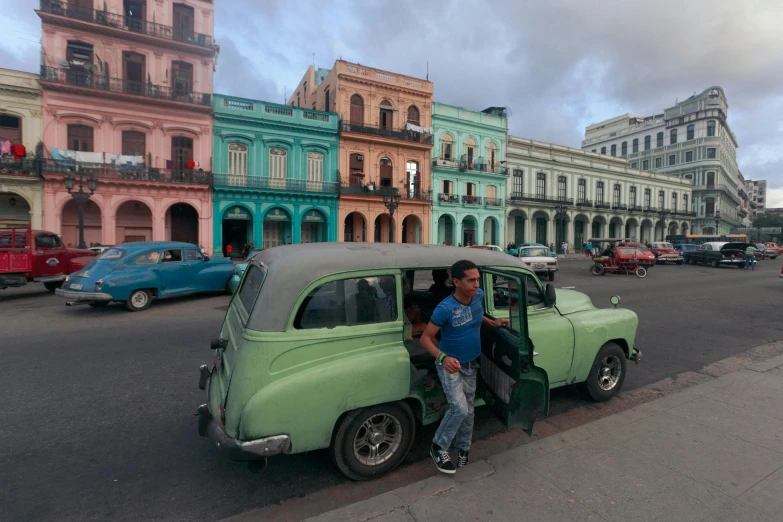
[(715, 263), (597, 269), (607, 374), (53, 285), (551, 276), (773, 257), (139, 300), (371, 442)]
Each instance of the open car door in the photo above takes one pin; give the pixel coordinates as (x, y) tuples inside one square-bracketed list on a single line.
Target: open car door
[(515, 389)]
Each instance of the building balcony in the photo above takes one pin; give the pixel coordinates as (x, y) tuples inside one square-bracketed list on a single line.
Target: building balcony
[(634, 208), (493, 202), (423, 195), (58, 12), (720, 187), (89, 84), (448, 198), (602, 204), (242, 181), (368, 190), (619, 206), (22, 167), (387, 132), (582, 202), (108, 171), (467, 166), (541, 198), (472, 200)]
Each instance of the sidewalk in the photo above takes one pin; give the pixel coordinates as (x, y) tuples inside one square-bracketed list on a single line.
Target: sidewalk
[(713, 452)]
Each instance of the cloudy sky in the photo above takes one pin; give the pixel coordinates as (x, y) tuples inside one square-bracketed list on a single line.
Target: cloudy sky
[(559, 65)]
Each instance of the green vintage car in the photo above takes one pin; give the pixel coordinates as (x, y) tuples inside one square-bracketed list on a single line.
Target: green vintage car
[(317, 350)]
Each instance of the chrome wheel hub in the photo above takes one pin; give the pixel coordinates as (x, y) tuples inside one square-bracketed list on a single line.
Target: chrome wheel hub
[(609, 373), (377, 439), (139, 299)]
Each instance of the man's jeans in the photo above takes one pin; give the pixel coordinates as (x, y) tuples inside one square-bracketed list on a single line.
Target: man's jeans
[(460, 390), (749, 261)]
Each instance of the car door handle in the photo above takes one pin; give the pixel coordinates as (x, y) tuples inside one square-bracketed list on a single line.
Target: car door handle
[(535, 353)]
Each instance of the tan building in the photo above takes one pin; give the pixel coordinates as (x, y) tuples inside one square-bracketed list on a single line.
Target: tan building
[(21, 189), (385, 148)]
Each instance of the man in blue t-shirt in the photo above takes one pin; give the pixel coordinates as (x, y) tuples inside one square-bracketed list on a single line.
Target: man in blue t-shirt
[(458, 318)]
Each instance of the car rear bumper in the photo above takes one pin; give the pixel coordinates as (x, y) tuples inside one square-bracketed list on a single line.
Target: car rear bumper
[(733, 261), (237, 450), (73, 296)]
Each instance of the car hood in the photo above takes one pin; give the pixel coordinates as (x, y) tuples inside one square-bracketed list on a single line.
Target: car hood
[(666, 251), (240, 268), (570, 301), (539, 259)]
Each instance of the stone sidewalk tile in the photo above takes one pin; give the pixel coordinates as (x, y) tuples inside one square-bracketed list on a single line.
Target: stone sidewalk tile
[(769, 364), (709, 456), (750, 426), (762, 393), (767, 495), (519, 494), (399, 498)]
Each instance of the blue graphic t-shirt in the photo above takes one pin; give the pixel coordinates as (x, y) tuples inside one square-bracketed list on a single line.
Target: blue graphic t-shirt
[(460, 327)]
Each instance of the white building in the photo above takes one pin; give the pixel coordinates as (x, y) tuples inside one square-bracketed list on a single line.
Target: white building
[(691, 140), (757, 194), (558, 193)]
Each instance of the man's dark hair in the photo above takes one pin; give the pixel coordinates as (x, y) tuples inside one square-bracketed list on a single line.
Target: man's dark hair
[(459, 268)]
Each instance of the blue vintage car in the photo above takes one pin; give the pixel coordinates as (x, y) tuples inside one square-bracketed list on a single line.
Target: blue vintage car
[(137, 273), (239, 269)]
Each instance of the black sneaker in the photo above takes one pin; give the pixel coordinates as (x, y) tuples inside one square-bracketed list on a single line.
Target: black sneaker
[(442, 460), (462, 461)]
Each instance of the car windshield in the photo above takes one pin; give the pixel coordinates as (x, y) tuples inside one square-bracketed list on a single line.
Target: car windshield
[(626, 251), (112, 254), (662, 245), (534, 252)]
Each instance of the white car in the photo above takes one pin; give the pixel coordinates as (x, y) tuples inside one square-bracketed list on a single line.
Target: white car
[(99, 249), (493, 248), (539, 260)]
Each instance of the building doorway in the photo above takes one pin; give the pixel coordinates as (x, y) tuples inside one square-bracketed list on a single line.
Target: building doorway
[(354, 228), (182, 221), (237, 229), (277, 228), (133, 222), (468, 231), (314, 229)]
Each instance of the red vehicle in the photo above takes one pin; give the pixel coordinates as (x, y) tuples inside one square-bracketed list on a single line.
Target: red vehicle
[(772, 249), (48, 262), (619, 259), (665, 253), (646, 256)]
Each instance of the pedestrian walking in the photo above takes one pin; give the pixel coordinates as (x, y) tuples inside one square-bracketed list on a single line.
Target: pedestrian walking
[(458, 318), (750, 257), (552, 247), (588, 249), (229, 250)]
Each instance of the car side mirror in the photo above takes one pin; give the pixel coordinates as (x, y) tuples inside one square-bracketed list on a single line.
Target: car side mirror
[(551, 297)]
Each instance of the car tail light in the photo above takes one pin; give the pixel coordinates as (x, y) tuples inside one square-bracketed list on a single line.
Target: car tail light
[(98, 285)]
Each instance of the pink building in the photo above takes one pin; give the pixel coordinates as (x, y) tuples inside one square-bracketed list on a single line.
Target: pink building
[(127, 100)]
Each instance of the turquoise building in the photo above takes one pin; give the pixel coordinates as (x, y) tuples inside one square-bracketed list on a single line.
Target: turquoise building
[(275, 174), (468, 175)]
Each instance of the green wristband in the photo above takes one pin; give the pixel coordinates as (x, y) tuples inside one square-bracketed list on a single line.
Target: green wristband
[(441, 357)]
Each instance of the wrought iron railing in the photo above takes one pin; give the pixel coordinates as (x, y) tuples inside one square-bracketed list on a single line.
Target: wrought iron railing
[(472, 200), (448, 198), (267, 183), (22, 166), (493, 202), (425, 195), (97, 82), (401, 134), (125, 172), (634, 208), (126, 23), (369, 190), (619, 206), (602, 204), (584, 202), (542, 198)]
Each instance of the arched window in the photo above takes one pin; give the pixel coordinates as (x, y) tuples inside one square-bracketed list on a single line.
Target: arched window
[(80, 137), (278, 167), (492, 150), (635, 145), (10, 128), (357, 110), (447, 147), (315, 171), (470, 151), (237, 159), (413, 115), (386, 120), (386, 172), (413, 180), (134, 143)]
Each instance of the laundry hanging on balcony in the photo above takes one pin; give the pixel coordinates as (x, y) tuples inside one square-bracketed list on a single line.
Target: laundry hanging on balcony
[(416, 128)]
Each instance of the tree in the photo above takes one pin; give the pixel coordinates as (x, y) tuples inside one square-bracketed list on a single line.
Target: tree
[(768, 220)]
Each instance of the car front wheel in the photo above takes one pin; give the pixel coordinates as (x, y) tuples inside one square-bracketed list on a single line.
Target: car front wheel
[(607, 374), (139, 300), (715, 263), (551, 276), (53, 285), (371, 442)]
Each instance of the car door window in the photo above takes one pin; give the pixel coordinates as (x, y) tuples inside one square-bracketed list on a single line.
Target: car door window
[(172, 256), (535, 298), (45, 241), (193, 254), (150, 258), (504, 299), (349, 302)]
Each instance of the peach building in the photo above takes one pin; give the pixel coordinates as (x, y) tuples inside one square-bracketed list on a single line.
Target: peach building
[(385, 149), (127, 101)]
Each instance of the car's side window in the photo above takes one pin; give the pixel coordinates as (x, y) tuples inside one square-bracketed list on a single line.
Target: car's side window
[(533, 292), (193, 254), (349, 302), (150, 258), (45, 241), (172, 256)]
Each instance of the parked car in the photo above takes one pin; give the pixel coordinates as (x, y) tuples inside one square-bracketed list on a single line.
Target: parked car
[(313, 352), (665, 253), (239, 269), (47, 262), (684, 248), (515, 251), (539, 260), (719, 253), (772, 249), (762, 252), (493, 248), (137, 273)]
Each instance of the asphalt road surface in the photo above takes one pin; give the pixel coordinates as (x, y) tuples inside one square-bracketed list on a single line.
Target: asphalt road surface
[(98, 404)]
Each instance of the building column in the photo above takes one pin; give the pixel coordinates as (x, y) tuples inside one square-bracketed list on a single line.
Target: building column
[(158, 222)]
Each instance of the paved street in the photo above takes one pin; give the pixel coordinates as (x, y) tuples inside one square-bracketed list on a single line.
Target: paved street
[(99, 424)]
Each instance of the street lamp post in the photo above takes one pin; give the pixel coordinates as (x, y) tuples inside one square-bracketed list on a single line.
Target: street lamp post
[(717, 223), (81, 198), (560, 217), (663, 213), (391, 199)]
